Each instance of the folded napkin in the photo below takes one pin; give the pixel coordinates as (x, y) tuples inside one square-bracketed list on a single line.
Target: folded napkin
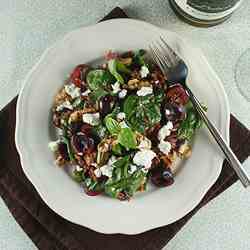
[(50, 231)]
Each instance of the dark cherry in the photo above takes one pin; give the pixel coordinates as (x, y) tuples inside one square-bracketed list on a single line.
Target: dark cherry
[(79, 74), (92, 192), (75, 126), (86, 129), (106, 104), (161, 176), (81, 143), (63, 151), (177, 94), (173, 112), (56, 120)]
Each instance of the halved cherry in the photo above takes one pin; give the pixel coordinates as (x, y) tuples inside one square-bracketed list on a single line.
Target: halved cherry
[(161, 176), (92, 192), (78, 76), (177, 94), (81, 143)]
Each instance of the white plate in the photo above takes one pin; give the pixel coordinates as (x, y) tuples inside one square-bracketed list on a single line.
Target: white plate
[(151, 209)]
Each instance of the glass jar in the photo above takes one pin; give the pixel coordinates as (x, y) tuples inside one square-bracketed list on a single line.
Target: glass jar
[(205, 12)]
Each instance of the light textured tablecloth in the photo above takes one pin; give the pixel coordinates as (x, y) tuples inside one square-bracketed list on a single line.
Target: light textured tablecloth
[(28, 27)]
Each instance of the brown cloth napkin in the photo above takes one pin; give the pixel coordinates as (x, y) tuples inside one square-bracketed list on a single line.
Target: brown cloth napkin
[(50, 231)]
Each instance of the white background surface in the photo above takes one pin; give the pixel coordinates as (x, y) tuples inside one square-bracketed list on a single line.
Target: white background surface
[(28, 27)]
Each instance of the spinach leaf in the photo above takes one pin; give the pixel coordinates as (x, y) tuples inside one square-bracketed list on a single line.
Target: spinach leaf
[(70, 153), (123, 181), (139, 57), (115, 67), (78, 176), (130, 104), (112, 125), (97, 94), (127, 138), (94, 185), (117, 149), (190, 124), (142, 112), (99, 78)]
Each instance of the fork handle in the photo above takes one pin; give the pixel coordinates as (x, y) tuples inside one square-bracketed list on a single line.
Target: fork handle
[(230, 156)]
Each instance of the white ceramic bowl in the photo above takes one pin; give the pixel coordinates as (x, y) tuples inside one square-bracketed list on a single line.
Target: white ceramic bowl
[(151, 209)]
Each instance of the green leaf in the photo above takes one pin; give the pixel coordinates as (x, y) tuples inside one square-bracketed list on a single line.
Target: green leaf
[(94, 185), (130, 105), (112, 66), (97, 94), (139, 57), (99, 78), (99, 131), (70, 153), (127, 138), (117, 149), (112, 125), (142, 112), (123, 181), (122, 68), (190, 124), (78, 176)]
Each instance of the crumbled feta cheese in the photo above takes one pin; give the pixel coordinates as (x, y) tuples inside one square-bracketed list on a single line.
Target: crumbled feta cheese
[(78, 168), (121, 116), (144, 158), (132, 169), (98, 172), (123, 124), (165, 131), (145, 144), (165, 147), (91, 118), (60, 132), (144, 91), (122, 93), (116, 87), (72, 90), (112, 159), (167, 112), (107, 170), (86, 93), (53, 145), (144, 71), (64, 105)]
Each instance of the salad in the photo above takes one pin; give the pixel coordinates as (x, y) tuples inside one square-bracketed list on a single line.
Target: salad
[(122, 125)]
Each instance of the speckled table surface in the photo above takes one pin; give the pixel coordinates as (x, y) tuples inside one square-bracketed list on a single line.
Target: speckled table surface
[(28, 27)]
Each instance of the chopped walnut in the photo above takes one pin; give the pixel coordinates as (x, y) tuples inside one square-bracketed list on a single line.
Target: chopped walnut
[(185, 151), (61, 97), (137, 84), (60, 161), (89, 158)]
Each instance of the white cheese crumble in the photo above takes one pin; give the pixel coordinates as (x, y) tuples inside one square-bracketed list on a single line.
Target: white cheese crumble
[(165, 131), (64, 105), (144, 158), (145, 144), (121, 116), (107, 170), (167, 112), (144, 71), (116, 87), (98, 172), (165, 147), (122, 93), (86, 93), (78, 168), (144, 91), (72, 90), (53, 145), (123, 124), (132, 169), (91, 118)]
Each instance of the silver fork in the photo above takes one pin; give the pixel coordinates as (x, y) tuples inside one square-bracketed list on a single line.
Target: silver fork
[(176, 71)]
